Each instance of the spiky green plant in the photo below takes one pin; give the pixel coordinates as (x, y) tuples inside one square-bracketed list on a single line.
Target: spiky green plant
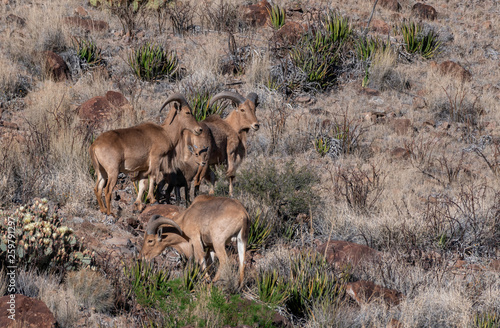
[(145, 279), (276, 16), (259, 233), (272, 288), (30, 237), (429, 45), (338, 27), (199, 99), (193, 274), (414, 41), (88, 51), (151, 62), (316, 55), (322, 145), (366, 47), (486, 320), (312, 280)]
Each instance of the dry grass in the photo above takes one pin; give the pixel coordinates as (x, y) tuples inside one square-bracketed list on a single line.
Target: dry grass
[(91, 289), (406, 220)]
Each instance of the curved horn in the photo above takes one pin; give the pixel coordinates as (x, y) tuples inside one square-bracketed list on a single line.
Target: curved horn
[(236, 97), (253, 97), (157, 220), (175, 97)]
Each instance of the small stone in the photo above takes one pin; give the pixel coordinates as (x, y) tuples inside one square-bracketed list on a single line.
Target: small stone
[(80, 11), (424, 11)]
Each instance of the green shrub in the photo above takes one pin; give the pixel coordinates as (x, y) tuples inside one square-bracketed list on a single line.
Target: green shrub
[(272, 288), (312, 280), (277, 16), (88, 52), (182, 304), (151, 62), (39, 240), (316, 54), (414, 41), (260, 232), (289, 191), (486, 320), (199, 99), (338, 27), (322, 145)]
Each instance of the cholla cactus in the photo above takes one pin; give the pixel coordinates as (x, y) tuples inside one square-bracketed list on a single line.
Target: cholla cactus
[(40, 240)]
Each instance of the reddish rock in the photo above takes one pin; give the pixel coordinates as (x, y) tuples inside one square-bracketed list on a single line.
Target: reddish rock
[(80, 11), (87, 24), (29, 313), (56, 67), (99, 110), (257, 14), (453, 69), (400, 153), (341, 253), (380, 26), (369, 92), (168, 211), (364, 292), (288, 34), (401, 125), (424, 11), (390, 5)]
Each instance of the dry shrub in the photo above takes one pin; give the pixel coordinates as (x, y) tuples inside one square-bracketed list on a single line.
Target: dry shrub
[(221, 16), (91, 289), (203, 64), (54, 161), (45, 30), (11, 84), (382, 73), (453, 99), (437, 307), (61, 302), (257, 71), (361, 188)]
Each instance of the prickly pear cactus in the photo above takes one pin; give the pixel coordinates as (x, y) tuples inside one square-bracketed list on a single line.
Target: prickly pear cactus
[(31, 237)]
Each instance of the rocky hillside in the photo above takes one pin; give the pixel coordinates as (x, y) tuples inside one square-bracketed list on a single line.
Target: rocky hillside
[(373, 182)]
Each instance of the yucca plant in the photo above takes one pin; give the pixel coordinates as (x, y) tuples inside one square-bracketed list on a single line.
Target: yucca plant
[(316, 55), (145, 279), (486, 320), (193, 274), (276, 16), (312, 280), (199, 99), (272, 288), (259, 233), (429, 45), (415, 42), (88, 51), (338, 27), (322, 146), (367, 46), (151, 62)]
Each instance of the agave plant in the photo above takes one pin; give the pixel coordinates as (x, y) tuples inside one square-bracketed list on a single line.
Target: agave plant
[(339, 27), (276, 16), (322, 145), (414, 41), (272, 288), (151, 62), (88, 51), (259, 234)]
